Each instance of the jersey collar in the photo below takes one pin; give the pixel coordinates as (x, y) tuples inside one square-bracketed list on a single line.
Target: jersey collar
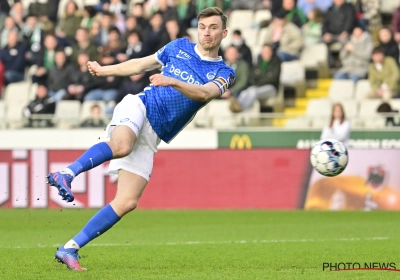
[(202, 57)]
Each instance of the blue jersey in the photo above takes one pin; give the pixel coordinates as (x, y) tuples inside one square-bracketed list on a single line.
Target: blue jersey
[(168, 110)]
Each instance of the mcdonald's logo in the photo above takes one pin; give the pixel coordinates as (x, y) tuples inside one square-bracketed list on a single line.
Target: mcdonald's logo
[(240, 142)]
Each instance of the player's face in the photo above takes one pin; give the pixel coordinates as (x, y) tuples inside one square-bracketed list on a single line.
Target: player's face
[(210, 32)]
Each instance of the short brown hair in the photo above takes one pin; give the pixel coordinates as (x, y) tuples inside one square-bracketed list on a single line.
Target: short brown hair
[(213, 11)]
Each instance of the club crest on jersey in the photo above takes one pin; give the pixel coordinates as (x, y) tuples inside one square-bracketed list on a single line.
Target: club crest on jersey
[(210, 75), (183, 55)]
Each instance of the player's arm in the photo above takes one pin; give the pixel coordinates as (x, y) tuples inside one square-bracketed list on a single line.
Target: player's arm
[(127, 68), (198, 93)]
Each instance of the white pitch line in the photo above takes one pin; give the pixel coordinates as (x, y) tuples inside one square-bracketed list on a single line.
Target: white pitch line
[(345, 239)]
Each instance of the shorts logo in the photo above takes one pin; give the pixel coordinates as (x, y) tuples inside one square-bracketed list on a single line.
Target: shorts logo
[(183, 55), (127, 119), (210, 75)]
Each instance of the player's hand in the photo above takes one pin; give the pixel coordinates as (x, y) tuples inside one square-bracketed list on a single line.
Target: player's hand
[(161, 80), (94, 68)]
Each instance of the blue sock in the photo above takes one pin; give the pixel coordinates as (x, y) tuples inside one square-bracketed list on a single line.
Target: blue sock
[(98, 224), (94, 156)]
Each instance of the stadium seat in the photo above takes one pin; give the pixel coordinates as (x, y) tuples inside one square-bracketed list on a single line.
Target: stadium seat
[(87, 105), (350, 108), (220, 115), (32, 91), (250, 117), (261, 37), (367, 116), (255, 52), (316, 57), (240, 19), (14, 115), (319, 107), (363, 89), (193, 34), (261, 15), (2, 114), (299, 122), (341, 90), (388, 6), (95, 2), (293, 74), (201, 119), (395, 103), (319, 123), (67, 113), (250, 36), (17, 93)]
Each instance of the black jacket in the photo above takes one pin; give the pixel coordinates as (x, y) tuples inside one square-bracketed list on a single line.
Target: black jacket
[(338, 20), (245, 54), (45, 105), (270, 77), (77, 77), (391, 49), (58, 78), (130, 87)]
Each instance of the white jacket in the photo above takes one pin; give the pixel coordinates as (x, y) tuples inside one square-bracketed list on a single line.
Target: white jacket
[(339, 131)]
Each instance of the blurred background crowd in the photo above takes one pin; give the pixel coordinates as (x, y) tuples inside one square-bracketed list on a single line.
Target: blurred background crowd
[(278, 48)]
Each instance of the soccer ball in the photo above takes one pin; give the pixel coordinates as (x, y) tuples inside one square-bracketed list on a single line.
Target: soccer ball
[(329, 157)]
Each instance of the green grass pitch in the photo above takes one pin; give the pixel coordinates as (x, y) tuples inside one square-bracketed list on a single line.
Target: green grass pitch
[(202, 244)]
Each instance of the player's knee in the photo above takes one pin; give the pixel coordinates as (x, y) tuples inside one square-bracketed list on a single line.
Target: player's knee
[(121, 149), (131, 205)]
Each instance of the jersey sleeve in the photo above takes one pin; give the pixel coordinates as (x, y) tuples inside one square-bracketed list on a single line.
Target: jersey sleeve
[(224, 79), (162, 54)]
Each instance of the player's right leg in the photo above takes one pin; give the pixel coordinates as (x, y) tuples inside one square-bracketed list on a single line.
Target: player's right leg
[(121, 144), (127, 119), (129, 190)]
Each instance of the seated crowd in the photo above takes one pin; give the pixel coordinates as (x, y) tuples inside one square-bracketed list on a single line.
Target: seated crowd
[(114, 31)]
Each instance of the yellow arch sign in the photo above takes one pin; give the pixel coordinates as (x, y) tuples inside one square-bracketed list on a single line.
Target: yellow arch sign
[(240, 142)]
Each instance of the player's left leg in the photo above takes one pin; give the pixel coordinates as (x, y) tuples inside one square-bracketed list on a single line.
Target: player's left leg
[(129, 190)]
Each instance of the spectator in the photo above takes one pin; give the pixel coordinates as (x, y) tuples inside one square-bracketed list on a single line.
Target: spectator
[(106, 22), (4, 7), (106, 90), (355, 56), (308, 5), (173, 32), (369, 16), (312, 30), (383, 75), (89, 13), (385, 109), (46, 59), (388, 44), (243, 4), (339, 22), (396, 25), (168, 12), (187, 14), (264, 80), (95, 119), (132, 85), (9, 25), (58, 77), (138, 12), (108, 53), (294, 14), (43, 104), (244, 50), (69, 22), (94, 31), (241, 69), (83, 44), (338, 127), (154, 33), (13, 59), (17, 14), (80, 81), (33, 37), (285, 38), (130, 25), (134, 49), (116, 7)]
